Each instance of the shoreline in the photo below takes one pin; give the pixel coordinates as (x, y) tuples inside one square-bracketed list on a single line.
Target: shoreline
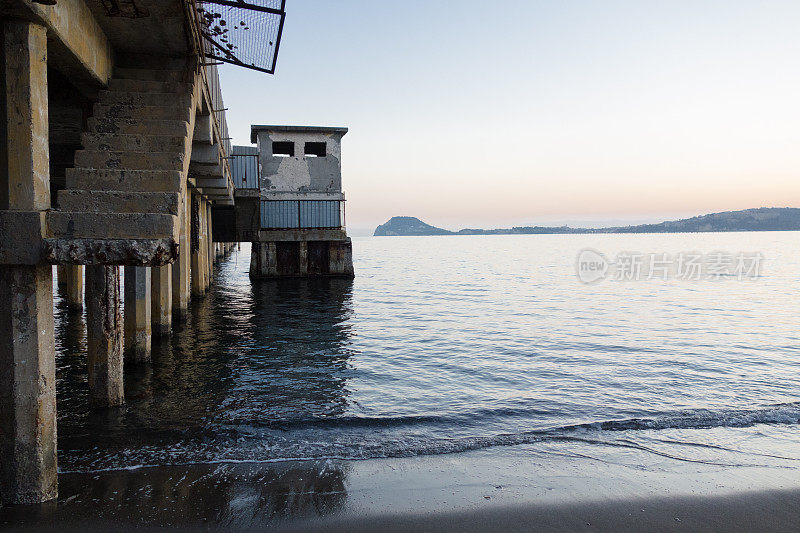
[(516, 488)]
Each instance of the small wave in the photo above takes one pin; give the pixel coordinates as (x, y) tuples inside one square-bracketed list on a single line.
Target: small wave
[(231, 446), (785, 413)]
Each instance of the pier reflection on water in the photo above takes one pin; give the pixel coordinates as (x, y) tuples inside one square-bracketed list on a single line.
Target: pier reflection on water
[(253, 360)]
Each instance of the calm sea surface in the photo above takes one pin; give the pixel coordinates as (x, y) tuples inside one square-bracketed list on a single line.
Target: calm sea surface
[(447, 344)]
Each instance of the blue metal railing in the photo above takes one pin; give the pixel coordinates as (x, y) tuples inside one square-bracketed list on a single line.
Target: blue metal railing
[(302, 214), (244, 167)]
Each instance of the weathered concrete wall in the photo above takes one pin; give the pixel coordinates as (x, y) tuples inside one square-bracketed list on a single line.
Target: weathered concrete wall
[(300, 173)]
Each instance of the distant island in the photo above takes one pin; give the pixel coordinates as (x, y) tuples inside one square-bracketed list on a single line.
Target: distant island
[(761, 219)]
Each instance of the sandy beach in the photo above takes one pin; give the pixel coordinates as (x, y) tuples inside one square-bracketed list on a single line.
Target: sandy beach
[(515, 488)]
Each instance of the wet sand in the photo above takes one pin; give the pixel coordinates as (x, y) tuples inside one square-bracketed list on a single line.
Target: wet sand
[(758, 511), (512, 489)]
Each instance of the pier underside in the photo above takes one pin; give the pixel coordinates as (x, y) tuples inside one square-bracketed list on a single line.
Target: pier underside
[(110, 134)]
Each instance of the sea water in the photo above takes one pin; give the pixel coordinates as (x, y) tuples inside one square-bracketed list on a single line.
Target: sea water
[(443, 345)]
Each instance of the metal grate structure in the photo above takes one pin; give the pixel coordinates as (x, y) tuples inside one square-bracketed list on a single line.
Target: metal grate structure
[(244, 33)]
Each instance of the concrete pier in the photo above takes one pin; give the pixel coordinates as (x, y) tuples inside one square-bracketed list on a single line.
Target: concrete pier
[(27, 385), (104, 336), (28, 471), (138, 327), (73, 286), (198, 254), (212, 256), (297, 221), (61, 274), (181, 290), (161, 300)]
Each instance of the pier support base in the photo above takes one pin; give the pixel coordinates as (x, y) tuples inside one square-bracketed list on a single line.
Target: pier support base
[(27, 385), (300, 259), (199, 236), (210, 251), (104, 336), (138, 328), (28, 464), (161, 295)]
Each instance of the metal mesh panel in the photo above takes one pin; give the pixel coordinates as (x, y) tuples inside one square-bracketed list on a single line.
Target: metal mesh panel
[(245, 33)]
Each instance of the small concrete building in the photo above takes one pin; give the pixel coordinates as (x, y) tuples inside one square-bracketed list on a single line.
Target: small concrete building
[(301, 229)]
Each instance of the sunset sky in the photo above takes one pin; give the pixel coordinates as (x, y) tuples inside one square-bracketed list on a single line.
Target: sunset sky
[(491, 114)]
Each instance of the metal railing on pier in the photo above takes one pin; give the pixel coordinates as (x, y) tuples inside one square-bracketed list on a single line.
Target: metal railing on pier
[(244, 166), (302, 214)]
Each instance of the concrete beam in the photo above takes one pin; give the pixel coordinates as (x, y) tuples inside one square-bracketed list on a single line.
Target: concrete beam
[(140, 252), (203, 129), (79, 48), (203, 154), (104, 336)]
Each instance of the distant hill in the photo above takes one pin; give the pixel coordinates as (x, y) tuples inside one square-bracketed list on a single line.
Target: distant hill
[(761, 219), (406, 226)]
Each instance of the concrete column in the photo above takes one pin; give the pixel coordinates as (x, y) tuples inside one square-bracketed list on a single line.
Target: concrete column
[(28, 466), (161, 296), (104, 336), (255, 259), (198, 269), (303, 253), (73, 289), (212, 256), (27, 385), (61, 275), (180, 269), (138, 328)]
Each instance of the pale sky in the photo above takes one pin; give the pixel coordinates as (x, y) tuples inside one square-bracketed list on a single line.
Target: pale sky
[(509, 112)]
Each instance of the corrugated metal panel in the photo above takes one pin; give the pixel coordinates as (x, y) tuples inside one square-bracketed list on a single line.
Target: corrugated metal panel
[(244, 166), (301, 214), (320, 214)]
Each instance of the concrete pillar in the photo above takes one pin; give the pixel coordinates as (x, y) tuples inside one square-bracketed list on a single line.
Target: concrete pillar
[(198, 268), (212, 256), (27, 385), (161, 297), (303, 253), (104, 336), (138, 328), (28, 466), (73, 288), (263, 260), (61, 276), (181, 268)]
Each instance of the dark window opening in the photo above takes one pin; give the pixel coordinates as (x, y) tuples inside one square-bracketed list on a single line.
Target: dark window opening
[(315, 149), (283, 149)]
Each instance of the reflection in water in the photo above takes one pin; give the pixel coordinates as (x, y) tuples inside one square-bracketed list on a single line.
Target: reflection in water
[(251, 360), (238, 496)]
